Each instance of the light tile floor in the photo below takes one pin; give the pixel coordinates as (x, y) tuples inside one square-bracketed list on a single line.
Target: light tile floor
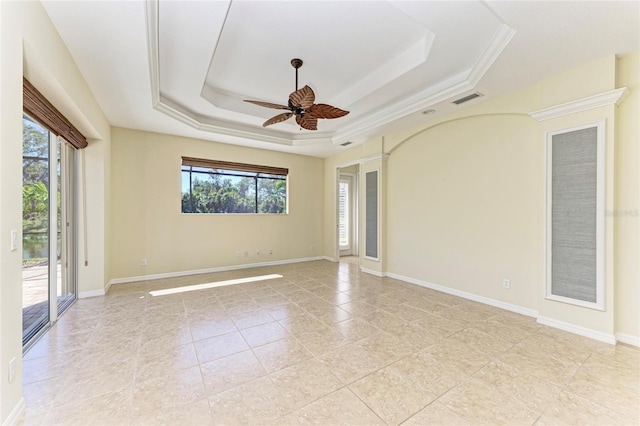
[(326, 345)]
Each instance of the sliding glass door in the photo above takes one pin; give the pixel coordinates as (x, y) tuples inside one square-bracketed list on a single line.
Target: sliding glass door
[(48, 248)]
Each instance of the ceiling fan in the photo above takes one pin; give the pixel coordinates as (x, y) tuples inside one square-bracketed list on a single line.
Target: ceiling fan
[(301, 104)]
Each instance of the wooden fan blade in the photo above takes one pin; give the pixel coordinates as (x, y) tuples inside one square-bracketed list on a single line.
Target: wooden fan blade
[(267, 104), (302, 98), (277, 119), (326, 111), (307, 122)]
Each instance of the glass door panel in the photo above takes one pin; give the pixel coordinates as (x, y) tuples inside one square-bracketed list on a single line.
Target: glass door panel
[(343, 214), (35, 228), (65, 274), (346, 215)]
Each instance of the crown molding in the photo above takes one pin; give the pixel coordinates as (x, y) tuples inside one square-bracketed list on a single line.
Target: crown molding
[(373, 158), (491, 53), (454, 86), (415, 55), (602, 99), (448, 89), (153, 37)]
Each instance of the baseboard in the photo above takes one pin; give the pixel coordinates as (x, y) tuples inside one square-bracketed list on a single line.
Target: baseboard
[(14, 415), (550, 322), (93, 293), (628, 339), (470, 296), (210, 270), (373, 272), (329, 258), (576, 329)]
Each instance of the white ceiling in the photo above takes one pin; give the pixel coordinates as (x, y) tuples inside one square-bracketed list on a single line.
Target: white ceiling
[(185, 67)]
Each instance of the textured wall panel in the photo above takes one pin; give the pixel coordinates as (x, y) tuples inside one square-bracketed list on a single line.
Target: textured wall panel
[(574, 187), (371, 220)]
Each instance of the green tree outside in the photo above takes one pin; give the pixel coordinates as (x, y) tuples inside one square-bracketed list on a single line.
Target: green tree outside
[(216, 193)]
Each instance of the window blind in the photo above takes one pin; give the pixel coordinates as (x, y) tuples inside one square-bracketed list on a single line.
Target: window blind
[(38, 107), (239, 167)]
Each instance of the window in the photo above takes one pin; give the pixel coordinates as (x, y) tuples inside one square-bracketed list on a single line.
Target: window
[(210, 186)]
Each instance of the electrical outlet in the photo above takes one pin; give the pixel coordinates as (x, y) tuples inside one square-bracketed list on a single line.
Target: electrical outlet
[(311, 248), (143, 262), (506, 283), (395, 260), (237, 254), (12, 370), (246, 253), (257, 252), (270, 251)]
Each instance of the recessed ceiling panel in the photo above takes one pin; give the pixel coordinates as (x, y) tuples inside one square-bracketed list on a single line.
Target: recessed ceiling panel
[(341, 43)]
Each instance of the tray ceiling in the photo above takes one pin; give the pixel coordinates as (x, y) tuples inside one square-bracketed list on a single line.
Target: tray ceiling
[(185, 67)]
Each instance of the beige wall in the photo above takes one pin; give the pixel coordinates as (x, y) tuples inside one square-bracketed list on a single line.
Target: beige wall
[(148, 223), (30, 46), (464, 207), (626, 217), (466, 198)]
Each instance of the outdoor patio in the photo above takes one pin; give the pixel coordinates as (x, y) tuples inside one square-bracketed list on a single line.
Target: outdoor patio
[(35, 292)]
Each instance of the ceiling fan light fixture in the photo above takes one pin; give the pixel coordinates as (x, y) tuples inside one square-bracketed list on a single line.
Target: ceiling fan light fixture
[(429, 111)]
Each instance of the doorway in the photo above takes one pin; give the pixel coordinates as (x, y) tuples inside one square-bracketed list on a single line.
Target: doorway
[(347, 214), (48, 229)]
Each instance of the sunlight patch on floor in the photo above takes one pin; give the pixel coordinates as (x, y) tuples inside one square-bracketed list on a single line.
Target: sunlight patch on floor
[(205, 286)]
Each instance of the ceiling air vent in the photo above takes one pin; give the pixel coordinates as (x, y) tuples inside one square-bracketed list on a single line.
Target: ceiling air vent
[(346, 144), (467, 98)]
